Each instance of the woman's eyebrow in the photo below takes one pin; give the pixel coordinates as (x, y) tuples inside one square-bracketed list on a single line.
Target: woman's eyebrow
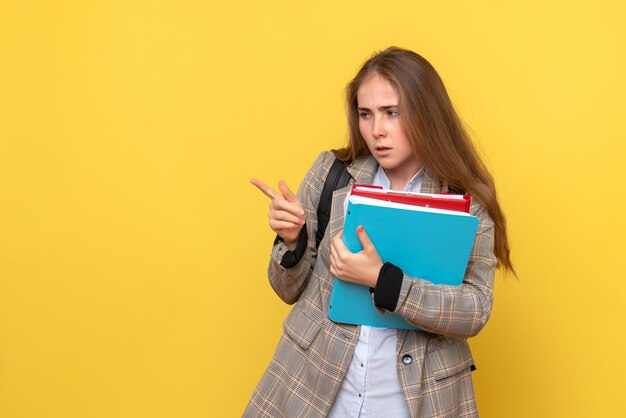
[(383, 108)]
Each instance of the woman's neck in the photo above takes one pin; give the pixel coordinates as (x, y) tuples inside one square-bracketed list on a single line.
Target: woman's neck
[(399, 181)]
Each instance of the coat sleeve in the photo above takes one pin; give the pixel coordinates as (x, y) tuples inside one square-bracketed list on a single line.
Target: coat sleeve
[(288, 283), (455, 311)]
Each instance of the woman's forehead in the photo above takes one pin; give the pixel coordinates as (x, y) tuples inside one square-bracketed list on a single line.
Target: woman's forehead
[(377, 91)]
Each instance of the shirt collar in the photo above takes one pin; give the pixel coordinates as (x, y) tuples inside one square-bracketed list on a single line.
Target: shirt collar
[(414, 185)]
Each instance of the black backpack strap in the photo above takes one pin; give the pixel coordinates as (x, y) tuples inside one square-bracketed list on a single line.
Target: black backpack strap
[(337, 178)]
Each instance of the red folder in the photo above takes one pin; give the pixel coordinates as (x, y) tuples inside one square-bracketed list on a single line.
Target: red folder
[(459, 203)]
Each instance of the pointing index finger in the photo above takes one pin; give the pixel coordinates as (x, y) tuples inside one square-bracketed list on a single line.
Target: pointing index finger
[(267, 190)]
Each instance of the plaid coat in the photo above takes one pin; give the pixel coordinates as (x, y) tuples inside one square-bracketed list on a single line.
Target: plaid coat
[(313, 354)]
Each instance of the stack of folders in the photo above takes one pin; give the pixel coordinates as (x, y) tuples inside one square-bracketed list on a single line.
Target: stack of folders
[(429, 236)]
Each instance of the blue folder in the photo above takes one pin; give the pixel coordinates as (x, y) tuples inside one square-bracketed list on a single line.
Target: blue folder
[(426, 244)]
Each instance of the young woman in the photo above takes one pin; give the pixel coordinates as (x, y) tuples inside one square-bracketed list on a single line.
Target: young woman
[(404, 135)]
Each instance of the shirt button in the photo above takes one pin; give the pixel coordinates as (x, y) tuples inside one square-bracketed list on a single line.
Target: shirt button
[(406, 359)]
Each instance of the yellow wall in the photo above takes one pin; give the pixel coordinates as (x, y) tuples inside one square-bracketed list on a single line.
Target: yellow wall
[(133, 249)]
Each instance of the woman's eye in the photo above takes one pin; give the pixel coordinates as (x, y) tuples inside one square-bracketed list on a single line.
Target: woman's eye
[(392, 113), (364, 115)]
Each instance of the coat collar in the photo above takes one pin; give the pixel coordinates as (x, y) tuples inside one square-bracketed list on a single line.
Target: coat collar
[(363, 169)]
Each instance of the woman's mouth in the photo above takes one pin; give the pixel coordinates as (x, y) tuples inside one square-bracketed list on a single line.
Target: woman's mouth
[(382, 150)]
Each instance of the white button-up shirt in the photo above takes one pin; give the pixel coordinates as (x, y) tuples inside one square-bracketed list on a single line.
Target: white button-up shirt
[(371, 387)]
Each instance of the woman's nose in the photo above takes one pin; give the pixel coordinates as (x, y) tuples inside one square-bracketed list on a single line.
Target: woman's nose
[(378, 129)]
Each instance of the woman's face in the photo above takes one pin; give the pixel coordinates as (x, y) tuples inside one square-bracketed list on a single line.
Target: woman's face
[(380, 126)]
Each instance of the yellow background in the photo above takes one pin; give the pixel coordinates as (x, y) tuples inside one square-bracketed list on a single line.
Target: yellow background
[(133, 249)]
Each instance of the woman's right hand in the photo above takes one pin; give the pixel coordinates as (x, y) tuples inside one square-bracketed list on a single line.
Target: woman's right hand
[(286, 215)]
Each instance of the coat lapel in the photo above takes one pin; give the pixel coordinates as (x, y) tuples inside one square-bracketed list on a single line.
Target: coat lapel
[(362, 171), (430, 184)]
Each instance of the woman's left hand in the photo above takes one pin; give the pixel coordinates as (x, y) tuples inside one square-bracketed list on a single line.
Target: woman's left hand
[(362, 267)]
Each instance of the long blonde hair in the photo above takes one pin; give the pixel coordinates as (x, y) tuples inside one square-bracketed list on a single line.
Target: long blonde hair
[(435, 130)]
